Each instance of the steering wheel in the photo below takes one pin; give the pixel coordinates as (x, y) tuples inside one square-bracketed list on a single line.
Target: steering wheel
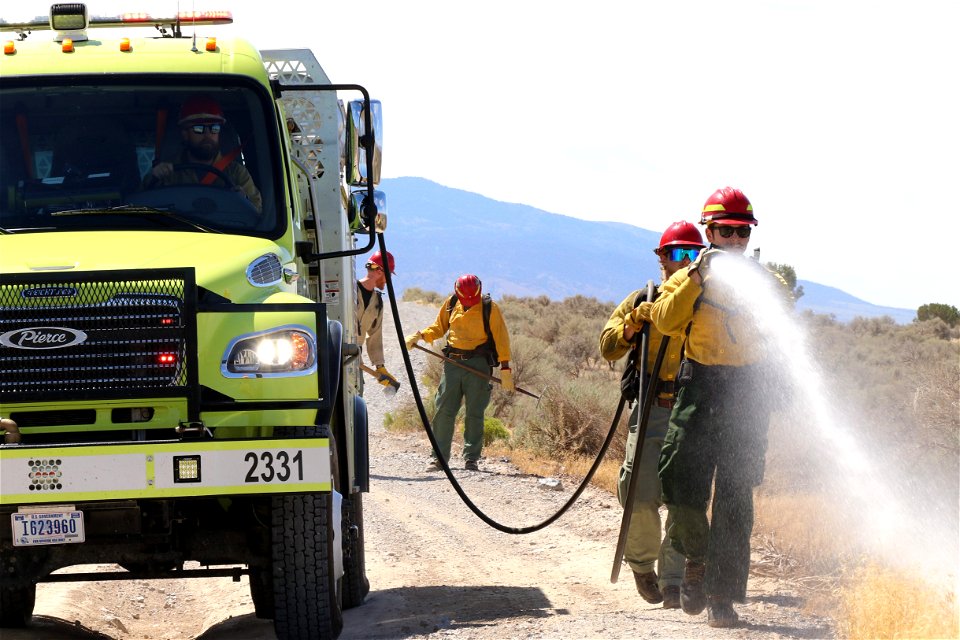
[(209, 168)]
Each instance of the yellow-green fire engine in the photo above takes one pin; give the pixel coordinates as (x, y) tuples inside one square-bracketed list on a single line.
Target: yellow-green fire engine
[(179, 216)]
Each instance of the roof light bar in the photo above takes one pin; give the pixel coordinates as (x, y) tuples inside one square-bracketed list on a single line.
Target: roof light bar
[(73, 16)]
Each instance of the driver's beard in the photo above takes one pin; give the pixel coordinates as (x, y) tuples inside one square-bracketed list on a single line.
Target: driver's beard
[(204, 151)]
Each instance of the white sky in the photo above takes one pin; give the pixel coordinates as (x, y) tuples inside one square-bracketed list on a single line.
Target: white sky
[(837, 118)]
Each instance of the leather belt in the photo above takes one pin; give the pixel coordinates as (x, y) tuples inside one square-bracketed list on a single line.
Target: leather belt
[(459, 354)]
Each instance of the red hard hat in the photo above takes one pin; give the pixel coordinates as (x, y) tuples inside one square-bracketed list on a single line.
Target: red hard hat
[(468, 289), (377, 259), (729, 206), (200, 110), (681, 234)]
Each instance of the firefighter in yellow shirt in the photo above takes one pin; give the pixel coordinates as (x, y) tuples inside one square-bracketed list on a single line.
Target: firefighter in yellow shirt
[(679, 245), (477, 337), (718, 427)]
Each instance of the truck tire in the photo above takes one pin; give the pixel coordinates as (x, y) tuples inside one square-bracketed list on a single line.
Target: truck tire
[(305, 594), (16, 606), (355, 584)]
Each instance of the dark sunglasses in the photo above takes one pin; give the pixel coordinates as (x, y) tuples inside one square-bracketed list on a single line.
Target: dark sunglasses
[(373, 266), (677, 254), (199, 128), (726, 231)]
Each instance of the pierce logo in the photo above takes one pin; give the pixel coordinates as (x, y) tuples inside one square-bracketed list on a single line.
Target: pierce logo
[(49, 292), (42, 338)]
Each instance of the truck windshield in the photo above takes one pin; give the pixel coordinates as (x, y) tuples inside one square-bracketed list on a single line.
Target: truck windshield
[(136, 157)]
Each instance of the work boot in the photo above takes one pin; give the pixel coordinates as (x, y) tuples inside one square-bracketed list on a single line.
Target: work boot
[(433, 466), (692, 599), (647, 586), (671, 597), (471, 465), (720, 612)]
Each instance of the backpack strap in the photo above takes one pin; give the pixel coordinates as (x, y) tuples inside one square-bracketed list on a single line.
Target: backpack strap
[(487, 303)]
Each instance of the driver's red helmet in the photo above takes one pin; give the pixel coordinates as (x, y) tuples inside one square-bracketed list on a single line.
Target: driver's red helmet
[(200, 110), (468, 289)]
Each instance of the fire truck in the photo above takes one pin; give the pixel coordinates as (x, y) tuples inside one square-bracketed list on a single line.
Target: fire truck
[(179, 386)]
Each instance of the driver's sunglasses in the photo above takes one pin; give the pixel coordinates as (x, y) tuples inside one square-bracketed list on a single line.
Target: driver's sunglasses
[(677, 254), (199, 128), (727, 231), (373, 266)]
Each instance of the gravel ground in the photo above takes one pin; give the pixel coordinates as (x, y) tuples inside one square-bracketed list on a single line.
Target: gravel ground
[(437, 570)]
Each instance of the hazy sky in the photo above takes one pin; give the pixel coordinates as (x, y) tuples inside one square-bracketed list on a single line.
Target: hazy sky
[(838, 119)]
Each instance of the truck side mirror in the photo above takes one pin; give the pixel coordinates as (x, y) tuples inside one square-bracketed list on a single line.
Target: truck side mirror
[(358, 138)]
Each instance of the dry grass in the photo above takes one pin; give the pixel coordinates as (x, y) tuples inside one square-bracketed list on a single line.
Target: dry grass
[(798, 539), (881, 603), (530, 462)]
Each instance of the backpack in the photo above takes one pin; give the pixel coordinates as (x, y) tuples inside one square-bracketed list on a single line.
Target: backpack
[(488, 348), (630, 380)]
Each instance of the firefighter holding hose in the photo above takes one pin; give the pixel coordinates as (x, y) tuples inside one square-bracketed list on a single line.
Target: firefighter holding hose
[(679, 245), (718, 427)]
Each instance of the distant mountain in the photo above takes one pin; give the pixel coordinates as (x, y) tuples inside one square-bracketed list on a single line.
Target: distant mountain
[(437, 233), (844, 307)]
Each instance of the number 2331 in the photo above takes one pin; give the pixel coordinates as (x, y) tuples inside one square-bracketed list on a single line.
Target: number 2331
[(269, 466)]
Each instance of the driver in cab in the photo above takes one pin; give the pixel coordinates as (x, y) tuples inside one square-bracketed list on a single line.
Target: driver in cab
[(201, 120)]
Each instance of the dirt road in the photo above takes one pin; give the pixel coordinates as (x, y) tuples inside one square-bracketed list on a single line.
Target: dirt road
[(436, 570)]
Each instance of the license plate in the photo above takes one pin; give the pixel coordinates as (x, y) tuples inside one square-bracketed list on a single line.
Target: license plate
[(47, 527)]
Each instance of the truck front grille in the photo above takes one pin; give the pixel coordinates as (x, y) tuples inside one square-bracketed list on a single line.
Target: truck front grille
[(93, 335)]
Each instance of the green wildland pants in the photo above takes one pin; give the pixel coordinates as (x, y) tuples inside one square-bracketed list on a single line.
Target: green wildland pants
[(645, 542), (457, 384), (716, 434)]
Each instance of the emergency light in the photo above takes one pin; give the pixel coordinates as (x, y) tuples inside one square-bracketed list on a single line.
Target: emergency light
[(71, 20)]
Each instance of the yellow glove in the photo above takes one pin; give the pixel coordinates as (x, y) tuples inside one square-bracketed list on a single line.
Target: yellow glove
[(639, 315), (385, 378), (506, 380), (413, 339)]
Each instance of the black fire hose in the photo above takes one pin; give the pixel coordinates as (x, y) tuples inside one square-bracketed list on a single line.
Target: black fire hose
[(648, 391), (408, 365)]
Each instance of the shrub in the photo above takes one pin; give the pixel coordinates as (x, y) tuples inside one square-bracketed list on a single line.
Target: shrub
[(574, 419), (493, 430), (415, 294), (948, 313)]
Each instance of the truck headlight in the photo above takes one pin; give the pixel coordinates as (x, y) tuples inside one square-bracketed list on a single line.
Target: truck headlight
[(285, 351)]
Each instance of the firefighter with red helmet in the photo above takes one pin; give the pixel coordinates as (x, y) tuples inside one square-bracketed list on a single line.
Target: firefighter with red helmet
[(645, 548), (370, 314), (477, 338), (718, 427), (201, 120)]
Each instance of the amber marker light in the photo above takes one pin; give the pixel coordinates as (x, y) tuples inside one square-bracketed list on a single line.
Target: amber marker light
[(67, 45), (9, 47), (211, 44), (125, 44)]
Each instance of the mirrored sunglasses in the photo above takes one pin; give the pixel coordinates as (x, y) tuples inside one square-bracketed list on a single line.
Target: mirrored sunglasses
[(373, 266), (727, 231), (199, 128), (677, 254)]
